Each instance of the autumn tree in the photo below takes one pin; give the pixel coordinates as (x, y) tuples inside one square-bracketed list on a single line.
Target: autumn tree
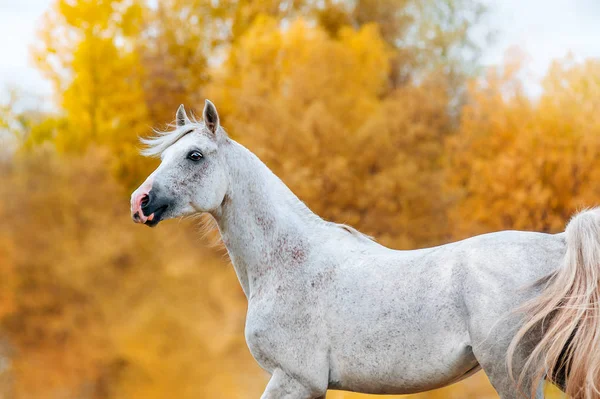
[(122, 66), (183, 39), (87, 52), (518, 163)]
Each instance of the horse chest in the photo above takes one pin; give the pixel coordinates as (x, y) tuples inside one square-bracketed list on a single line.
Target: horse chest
[(280, 330)]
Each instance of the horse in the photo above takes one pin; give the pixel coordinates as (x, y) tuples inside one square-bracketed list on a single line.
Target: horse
[(330, 308)]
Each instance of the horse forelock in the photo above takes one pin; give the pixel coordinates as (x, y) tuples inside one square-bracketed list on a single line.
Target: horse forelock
[(163, 139), (157, 144)]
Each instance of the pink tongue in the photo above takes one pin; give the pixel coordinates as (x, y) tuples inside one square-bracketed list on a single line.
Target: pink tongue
[(151, 216)]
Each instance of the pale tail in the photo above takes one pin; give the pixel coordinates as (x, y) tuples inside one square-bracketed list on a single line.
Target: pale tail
[(568, 312)]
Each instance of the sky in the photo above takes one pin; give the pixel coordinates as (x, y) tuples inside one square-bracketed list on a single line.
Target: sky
[(543, 29), (18, 21)]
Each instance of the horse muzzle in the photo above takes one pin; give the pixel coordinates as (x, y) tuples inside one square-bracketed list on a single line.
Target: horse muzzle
[(147, 206)]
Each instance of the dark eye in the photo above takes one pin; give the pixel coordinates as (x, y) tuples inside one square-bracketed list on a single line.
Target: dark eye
[(195, 155)]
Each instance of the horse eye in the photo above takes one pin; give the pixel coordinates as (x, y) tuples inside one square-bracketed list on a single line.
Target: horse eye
[(195, 155)]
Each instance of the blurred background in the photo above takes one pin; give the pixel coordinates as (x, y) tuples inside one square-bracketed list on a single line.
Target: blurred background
[(417, 121)]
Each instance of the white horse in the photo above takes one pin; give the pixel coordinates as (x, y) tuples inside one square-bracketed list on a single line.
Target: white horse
[(329, 308)]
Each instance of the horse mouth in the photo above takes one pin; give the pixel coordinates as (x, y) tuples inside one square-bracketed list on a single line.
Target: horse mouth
[(155, 217)]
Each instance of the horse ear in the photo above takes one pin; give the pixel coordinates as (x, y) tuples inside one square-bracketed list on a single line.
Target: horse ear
[(181, 118), (210, 116)]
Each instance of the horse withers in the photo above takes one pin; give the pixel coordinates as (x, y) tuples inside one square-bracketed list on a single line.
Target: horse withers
[(329, 308)]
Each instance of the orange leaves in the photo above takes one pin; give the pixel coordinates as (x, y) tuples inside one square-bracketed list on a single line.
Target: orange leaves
[(301, 64), (87, 52), (525, 164)]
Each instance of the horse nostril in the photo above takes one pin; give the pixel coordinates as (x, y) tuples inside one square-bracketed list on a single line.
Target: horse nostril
[(145, 200)]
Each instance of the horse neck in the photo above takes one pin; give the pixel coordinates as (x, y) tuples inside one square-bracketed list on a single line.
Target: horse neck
[(264, 226)]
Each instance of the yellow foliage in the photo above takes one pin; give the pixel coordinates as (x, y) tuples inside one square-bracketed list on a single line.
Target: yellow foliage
[(87, 53), (524, 164)]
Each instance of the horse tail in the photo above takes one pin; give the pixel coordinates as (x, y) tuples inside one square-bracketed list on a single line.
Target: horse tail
[(567, 313)]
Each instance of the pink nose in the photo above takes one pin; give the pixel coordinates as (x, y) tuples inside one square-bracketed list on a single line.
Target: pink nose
[(139, 198)]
